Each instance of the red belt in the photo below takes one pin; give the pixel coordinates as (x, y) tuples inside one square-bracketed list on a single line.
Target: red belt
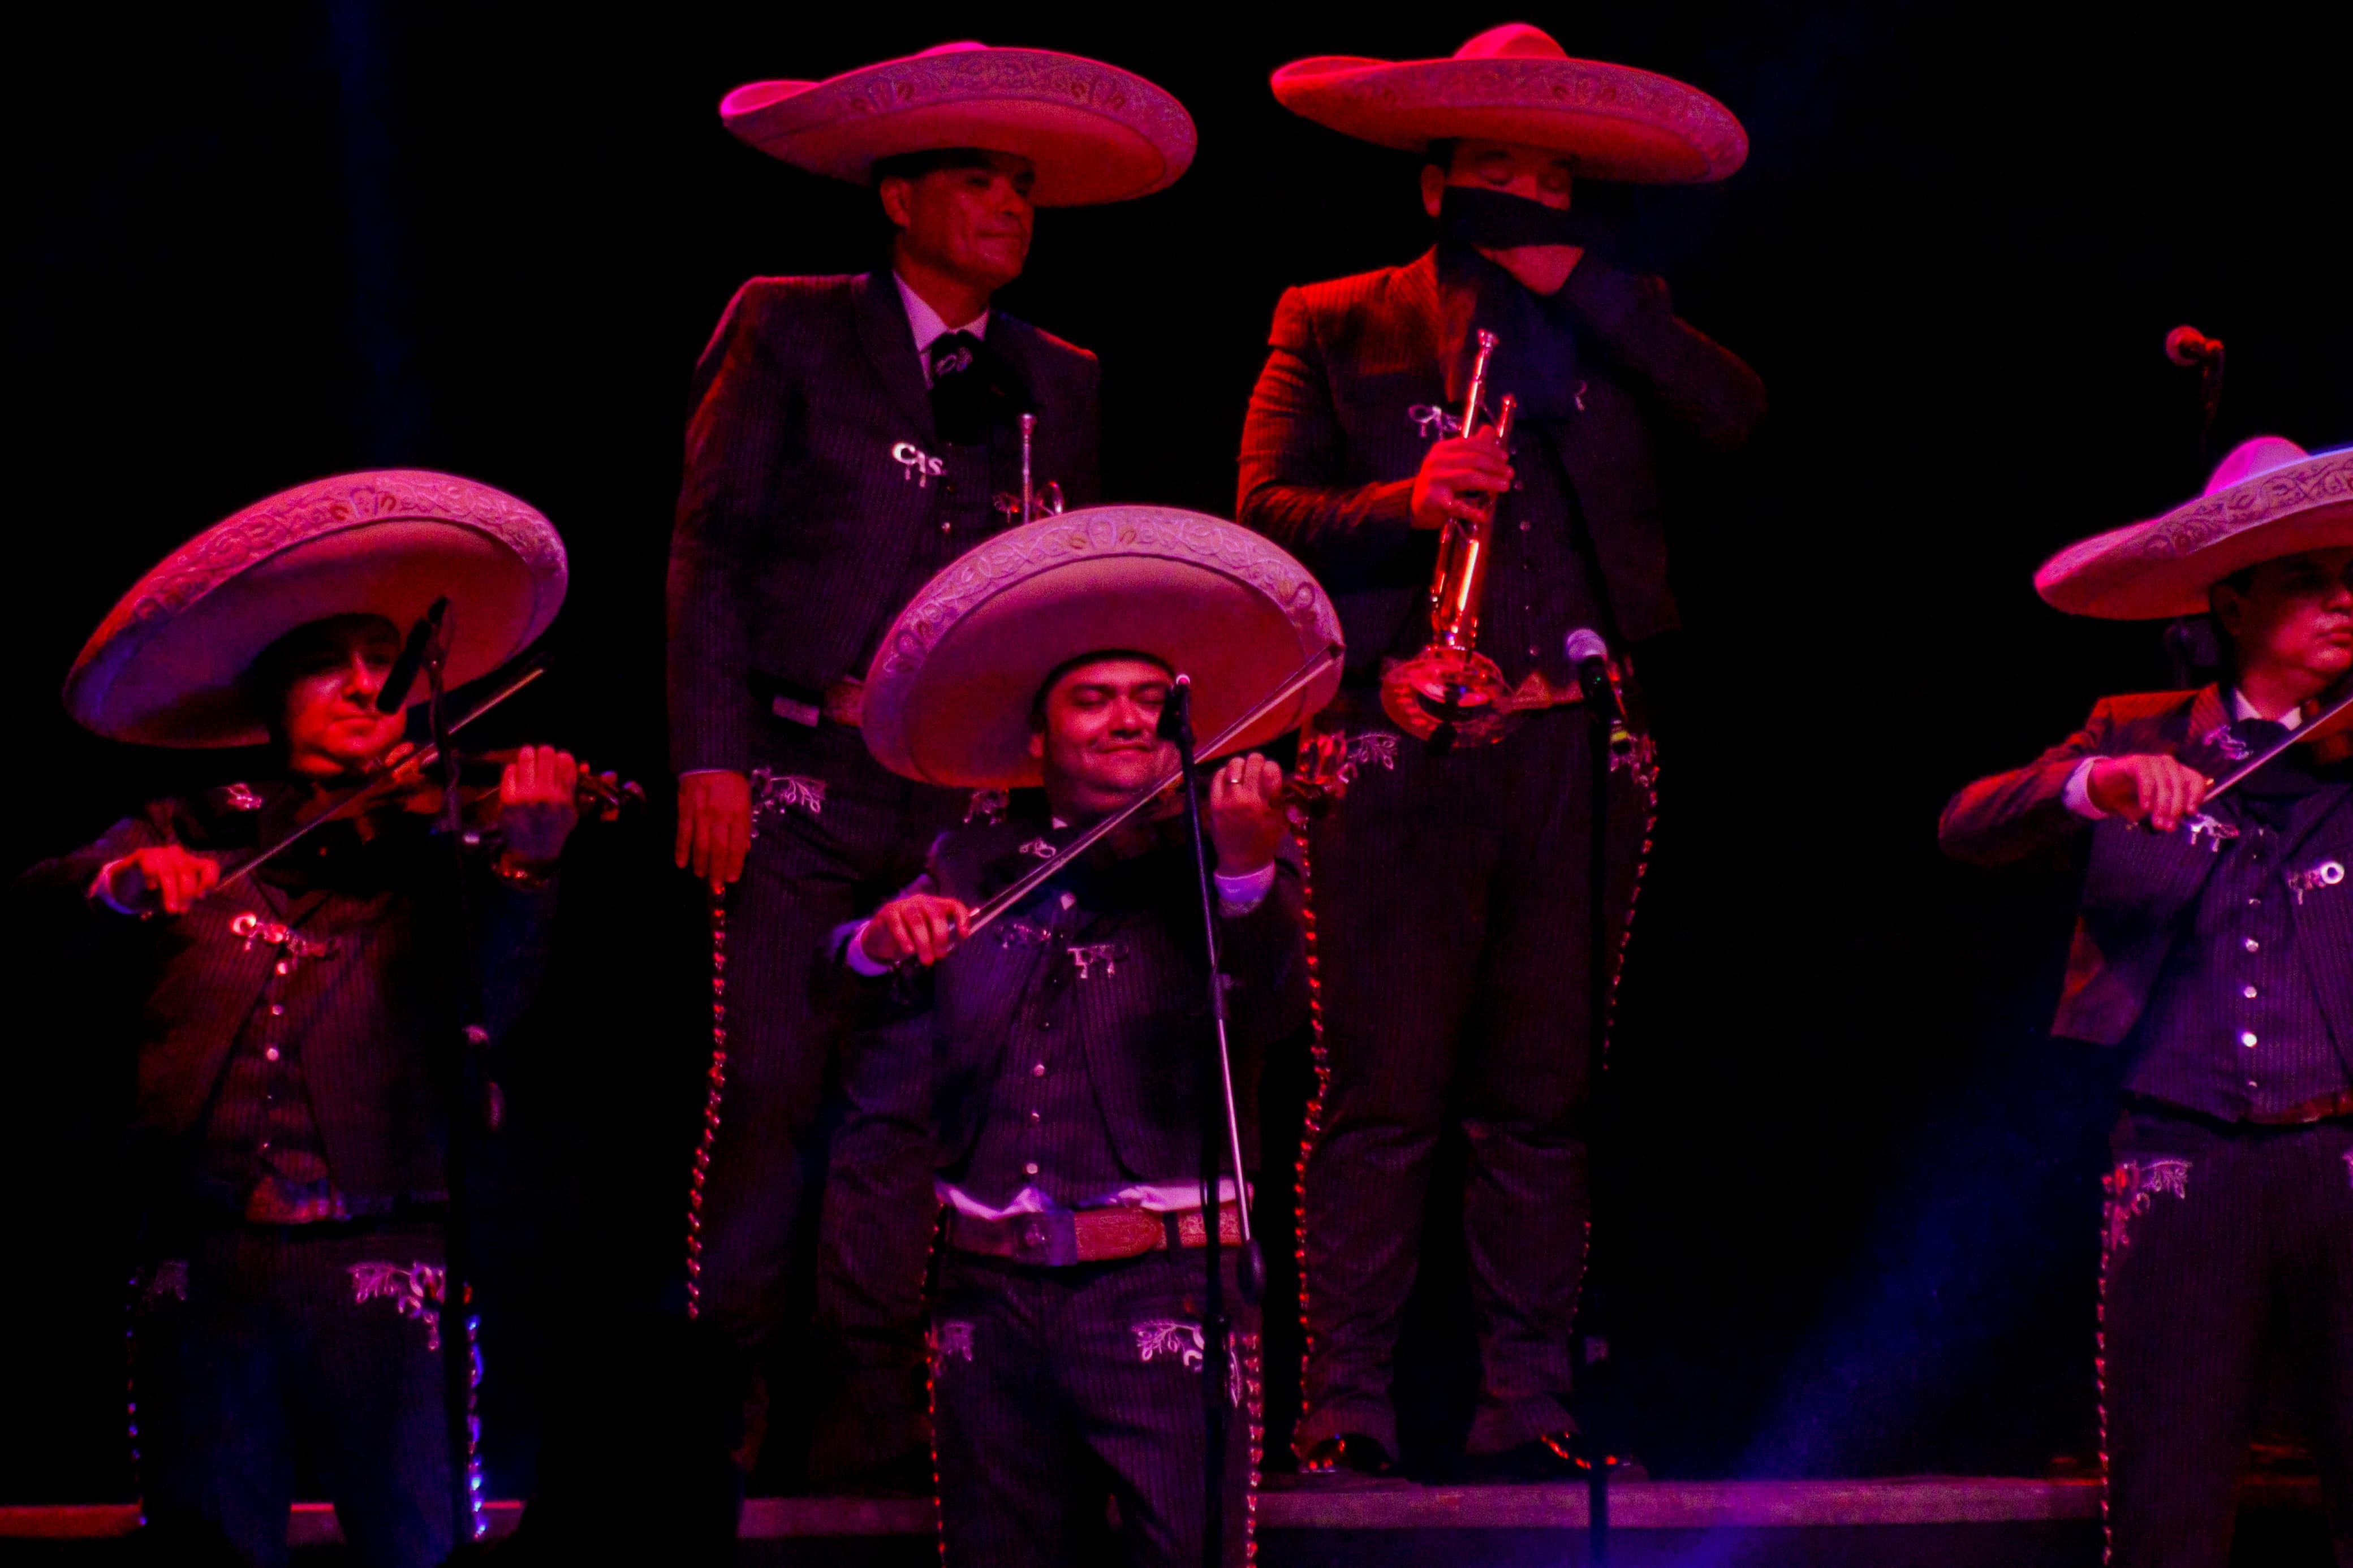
[(1089, 1235)]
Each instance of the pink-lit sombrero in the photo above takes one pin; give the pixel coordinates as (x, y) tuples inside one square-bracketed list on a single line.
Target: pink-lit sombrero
[(167, 667), (948, 698), (1093, 133), (1513, 83), (2269, 497)]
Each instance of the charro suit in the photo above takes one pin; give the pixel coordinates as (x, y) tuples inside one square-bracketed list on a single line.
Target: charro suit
[(1069, 1043), (294, 1041), (1450, 891), (2218, 960), (816, 498)]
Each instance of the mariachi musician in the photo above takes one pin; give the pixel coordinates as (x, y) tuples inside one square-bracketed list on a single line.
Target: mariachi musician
[(1073, 1337), (849, 438), (298, 1016), (1453, 887), (2215, 951)]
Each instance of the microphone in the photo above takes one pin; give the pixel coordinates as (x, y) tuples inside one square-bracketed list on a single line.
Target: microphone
[(394, 694), (2187, 346), (1590, 655), (1176, 713)]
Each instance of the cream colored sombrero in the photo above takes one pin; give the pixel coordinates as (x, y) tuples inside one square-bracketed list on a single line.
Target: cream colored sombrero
[(949, 695), (2269, 497), (1513, 83), (167, 667), (1093, 133)]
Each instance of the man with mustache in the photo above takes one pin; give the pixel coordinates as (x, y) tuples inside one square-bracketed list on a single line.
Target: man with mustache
[(1453, 884), (1075, 1338), (849, 438), (2214, 952)]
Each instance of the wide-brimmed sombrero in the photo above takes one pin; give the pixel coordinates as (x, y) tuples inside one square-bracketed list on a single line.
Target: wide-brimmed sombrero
[(2269, 497), (1093, 133), (949, 695), (168, 667), (1513, 83)]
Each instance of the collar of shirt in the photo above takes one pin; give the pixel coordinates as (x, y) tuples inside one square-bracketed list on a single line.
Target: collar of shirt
[(928, 326), (2243, 708)]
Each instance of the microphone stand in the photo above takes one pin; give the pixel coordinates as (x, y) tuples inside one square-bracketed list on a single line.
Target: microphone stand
[(1176, 725), (1596, 1348), (462, 1366)]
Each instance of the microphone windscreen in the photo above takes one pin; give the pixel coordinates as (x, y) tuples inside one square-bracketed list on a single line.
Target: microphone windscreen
[(1585, 643), (2186, 346)]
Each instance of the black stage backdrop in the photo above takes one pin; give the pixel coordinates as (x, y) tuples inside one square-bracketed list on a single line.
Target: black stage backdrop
[(1848, 1204)]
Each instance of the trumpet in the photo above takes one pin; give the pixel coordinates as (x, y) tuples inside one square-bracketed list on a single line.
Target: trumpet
[(1450, 691)]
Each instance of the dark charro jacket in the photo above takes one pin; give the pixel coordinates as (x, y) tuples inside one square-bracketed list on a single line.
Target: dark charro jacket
[(1340, 421), (2151, 900), (338, 958), (1111, 984), (799, 534)]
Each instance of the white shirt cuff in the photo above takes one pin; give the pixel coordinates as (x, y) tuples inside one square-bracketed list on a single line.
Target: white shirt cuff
[(101, 889), (2077, 796), (854, 953), (1240, 895)]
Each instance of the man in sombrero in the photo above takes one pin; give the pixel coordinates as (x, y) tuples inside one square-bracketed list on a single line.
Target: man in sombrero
[(850, 436), (297, 1025), (1069, 1040), (2214, 951), (1453, 885)]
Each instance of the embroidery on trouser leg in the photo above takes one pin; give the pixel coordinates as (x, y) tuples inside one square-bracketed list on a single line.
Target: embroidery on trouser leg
[(775, 793), (950, 1341), (1182, 1341), (415, 1292), (153, 1285), (2133, 1186)]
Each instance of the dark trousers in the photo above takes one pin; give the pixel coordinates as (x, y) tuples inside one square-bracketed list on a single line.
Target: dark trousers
[(2223, 1243), (836, 835), (257, 1346), (1452, 944), (1058, 1391)]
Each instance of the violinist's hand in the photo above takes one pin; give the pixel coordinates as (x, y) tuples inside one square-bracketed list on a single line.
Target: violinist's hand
[(2156, 789), (715, 825), (922, 926), (162, 876), (1459, 479), (539, 803), (1245, 822)]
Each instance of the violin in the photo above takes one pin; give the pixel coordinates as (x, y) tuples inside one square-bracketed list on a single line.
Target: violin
[(409, 785), (409, 789)]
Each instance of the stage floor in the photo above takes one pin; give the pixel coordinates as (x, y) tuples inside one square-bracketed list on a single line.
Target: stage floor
[(1927, 1521)]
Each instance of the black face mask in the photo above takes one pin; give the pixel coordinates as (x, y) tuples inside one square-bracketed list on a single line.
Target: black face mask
[(1497, 220)]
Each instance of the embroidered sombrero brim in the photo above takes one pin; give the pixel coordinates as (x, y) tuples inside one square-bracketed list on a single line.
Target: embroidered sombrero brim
[(948, 698), (1093, 133), (168, 665), (1617, 123), (2267, 500)]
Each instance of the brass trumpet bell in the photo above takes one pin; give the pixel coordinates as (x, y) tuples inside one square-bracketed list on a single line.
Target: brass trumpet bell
[(1448, 694)]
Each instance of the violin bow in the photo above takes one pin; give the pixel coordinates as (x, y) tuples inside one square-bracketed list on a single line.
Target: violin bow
[(395, 777), (2335, 705), (1298, 681)]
